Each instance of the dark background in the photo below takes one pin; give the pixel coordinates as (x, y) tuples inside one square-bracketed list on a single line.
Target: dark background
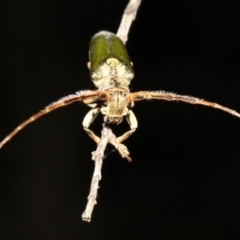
[(184, 180)]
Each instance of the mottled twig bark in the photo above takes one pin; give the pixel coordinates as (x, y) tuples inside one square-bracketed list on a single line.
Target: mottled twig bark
[(97, 156), (129, 15)]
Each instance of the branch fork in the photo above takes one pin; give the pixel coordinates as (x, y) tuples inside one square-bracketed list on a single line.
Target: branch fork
[(98, 156)]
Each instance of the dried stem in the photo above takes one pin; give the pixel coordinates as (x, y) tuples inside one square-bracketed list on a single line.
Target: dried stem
[(127, 19), (97, 156)]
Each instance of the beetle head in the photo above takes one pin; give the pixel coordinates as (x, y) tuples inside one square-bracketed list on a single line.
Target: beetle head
[(116, 107)]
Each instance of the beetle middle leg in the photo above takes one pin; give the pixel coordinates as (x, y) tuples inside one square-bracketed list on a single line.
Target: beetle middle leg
[(88, 119), (132, 121)]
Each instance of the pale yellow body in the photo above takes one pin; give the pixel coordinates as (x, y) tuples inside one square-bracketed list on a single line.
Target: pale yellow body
[(112, 77)]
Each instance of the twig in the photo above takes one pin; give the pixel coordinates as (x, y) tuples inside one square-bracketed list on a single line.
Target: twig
[(127, 19), (107, 134), (97, 156)]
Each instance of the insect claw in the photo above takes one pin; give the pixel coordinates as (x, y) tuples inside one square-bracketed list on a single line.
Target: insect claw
[(123, 151)]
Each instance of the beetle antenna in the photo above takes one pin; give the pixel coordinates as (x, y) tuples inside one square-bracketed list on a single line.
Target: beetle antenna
[(78, 96), (168, 96)]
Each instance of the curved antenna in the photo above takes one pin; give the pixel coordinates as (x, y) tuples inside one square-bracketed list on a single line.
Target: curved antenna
[(168, 96), (78, 96)]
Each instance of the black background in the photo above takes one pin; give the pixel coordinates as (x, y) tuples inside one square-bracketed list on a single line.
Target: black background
[(184, 180)]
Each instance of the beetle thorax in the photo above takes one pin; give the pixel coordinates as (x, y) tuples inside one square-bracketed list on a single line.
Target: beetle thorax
[(117, 105), (112, 73)]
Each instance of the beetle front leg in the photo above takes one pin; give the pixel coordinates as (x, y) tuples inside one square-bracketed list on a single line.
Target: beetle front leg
[(88, 119), (132, 121)]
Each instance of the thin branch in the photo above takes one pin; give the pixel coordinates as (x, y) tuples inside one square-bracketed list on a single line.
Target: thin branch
[(97, 156), (127, 19), (107, 134)]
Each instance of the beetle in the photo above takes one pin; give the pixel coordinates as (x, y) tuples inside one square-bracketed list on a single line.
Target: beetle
[(111, 72)]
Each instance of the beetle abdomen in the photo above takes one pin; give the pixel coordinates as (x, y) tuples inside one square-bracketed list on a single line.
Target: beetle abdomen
[(110, 65)]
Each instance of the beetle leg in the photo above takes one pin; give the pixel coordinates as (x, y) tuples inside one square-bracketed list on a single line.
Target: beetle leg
[(132, 121), (88, 119)]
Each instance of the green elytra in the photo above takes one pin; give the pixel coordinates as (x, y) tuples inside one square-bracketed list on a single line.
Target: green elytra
[(105, 45)]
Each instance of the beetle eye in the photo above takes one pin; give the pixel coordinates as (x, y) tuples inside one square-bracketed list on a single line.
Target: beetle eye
[(105, 104), (111, 94)]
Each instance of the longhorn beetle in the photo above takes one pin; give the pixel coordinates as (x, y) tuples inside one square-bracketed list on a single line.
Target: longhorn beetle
[(112, 71)]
